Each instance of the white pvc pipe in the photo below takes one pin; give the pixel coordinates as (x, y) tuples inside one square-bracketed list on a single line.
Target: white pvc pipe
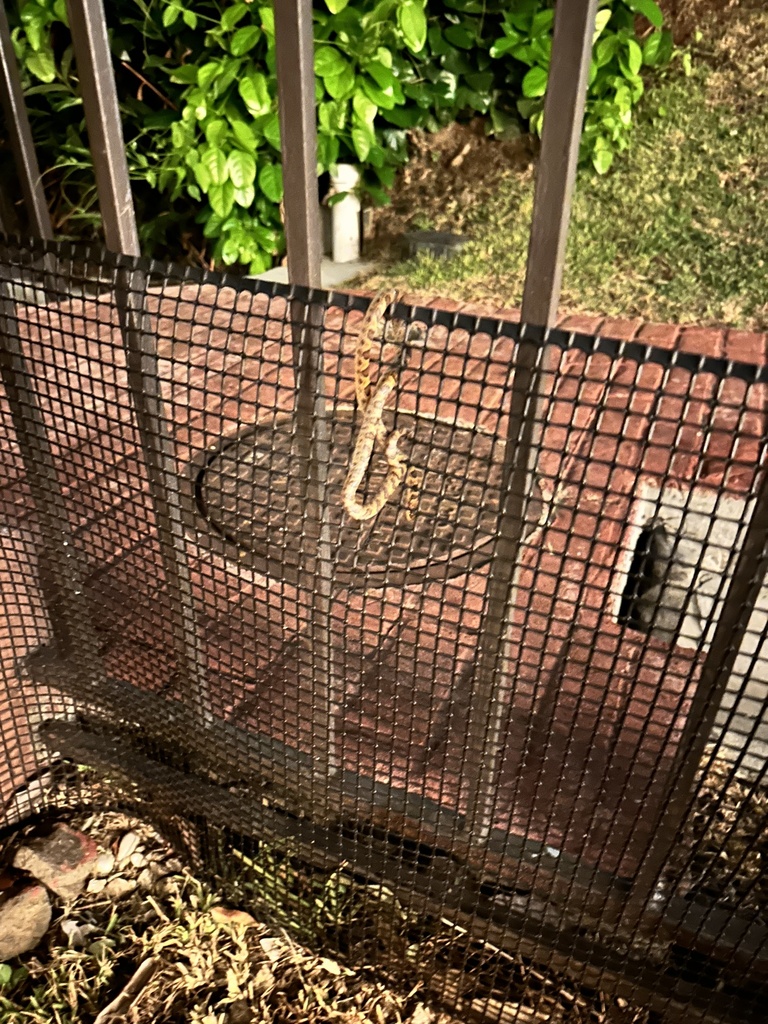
[(345, 215)]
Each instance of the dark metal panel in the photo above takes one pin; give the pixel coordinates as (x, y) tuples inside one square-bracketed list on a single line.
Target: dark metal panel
[(20, 134), (158, 454), (298, 133), (556, 172), (564, 108), (60, 569), (102, 119)]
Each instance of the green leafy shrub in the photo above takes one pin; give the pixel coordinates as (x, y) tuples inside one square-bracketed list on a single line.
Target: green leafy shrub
[(197, 87)]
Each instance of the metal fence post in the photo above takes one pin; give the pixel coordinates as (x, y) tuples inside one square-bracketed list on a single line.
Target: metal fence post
[(102, 120), (563, 115), (294, 50), (298, 135), (17, 123)]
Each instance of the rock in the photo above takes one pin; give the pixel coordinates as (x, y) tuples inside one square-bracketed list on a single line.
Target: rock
[(77, 934), (223, 915), (62, 860), (105, 865), (116, 888), (138, 860), (128, 845), (24, 920), (146, 880)]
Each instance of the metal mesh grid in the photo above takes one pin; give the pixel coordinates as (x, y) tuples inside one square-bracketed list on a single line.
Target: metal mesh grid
[(490, 705)]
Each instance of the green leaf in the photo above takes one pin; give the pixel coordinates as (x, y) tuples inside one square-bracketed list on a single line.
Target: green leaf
[(380, 74), (202, 175), (242, 168), (216, 163), (232, 15), (602, 19), (271, 131), (503, 46), (602, 160), (329, 61), (413, 24), (535, 83), (230, 251), (336, 6), (362, 141), (364, 108), (222, 198), (259, 264), (687, 65), (207, 73), (271, 181), (186, 74), (6, 973), (605, 50), (255, 94), (649, 9), (170, 15), (42, 65), (216, 131), (651, 48), (244, 196), (384, 99), (244, 40), (327, 151), (634, 56), (244, 134), (190, 19), (267, 19), (460, 36), (340, 86)]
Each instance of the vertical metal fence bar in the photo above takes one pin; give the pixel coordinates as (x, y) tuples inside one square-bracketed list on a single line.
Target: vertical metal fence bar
[(102, 119), (20, 134), (102, 115), (159, 458), (294, 47), (563, 116), (294, 50), (738, 605), (556, 171), (60, 572)]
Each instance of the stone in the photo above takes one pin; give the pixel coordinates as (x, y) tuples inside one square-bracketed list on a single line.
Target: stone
[(116, 888), (128, 845), (24, 920), (77, 934), (138, 860), (62, 861), (224, 915), (104, 866)]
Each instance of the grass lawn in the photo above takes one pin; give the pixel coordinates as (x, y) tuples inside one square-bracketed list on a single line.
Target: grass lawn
[(678, 231)]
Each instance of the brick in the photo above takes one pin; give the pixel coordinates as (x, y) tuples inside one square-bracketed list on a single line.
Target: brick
[(702, 341), (746, 347), (660, 335), (580, 323), (620, 328)]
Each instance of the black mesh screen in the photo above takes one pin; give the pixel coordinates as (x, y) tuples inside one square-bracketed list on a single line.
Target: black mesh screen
[(509, 730)]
